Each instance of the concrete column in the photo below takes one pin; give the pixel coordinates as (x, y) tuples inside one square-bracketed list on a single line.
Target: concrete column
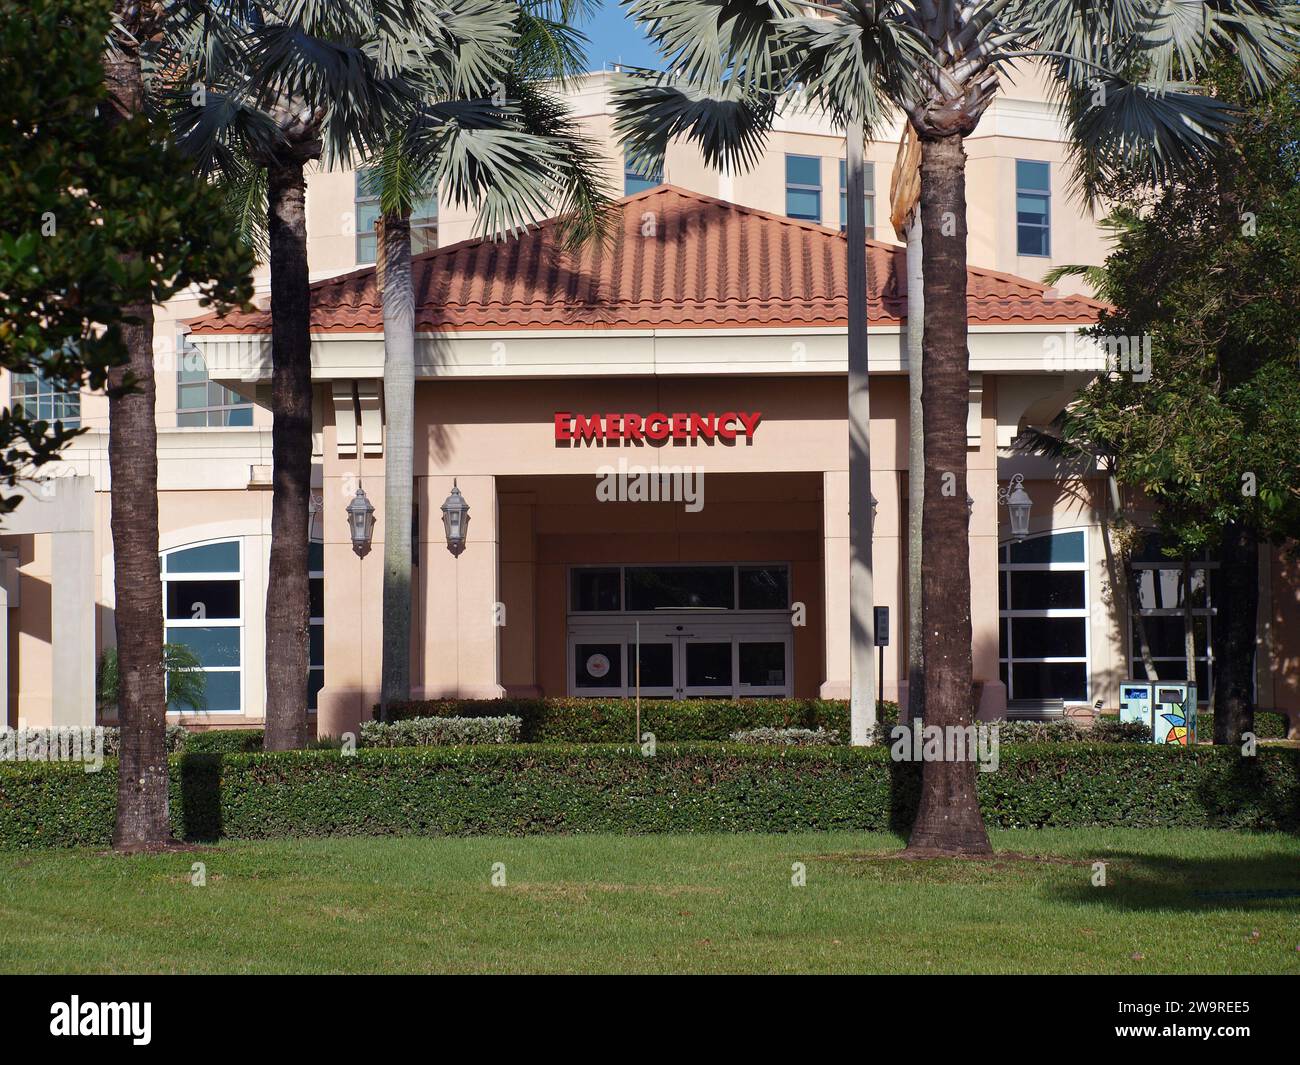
[(518, 549), (72, 623), (982, 487), (462, 608), (353, 600), (835, 578)]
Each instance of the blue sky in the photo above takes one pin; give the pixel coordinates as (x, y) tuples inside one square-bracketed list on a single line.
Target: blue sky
[(614, 38)]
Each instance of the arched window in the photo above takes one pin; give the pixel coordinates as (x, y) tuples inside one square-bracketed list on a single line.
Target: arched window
[(204, 610), (1043, 617)]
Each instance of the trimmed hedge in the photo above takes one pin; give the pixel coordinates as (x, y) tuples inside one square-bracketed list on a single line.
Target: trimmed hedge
[(671, 720), (517, 790), (440, 731)]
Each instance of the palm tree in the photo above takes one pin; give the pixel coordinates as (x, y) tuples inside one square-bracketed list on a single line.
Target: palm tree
[(1123, 74), (287, 86), (547, 49), (143, 818)]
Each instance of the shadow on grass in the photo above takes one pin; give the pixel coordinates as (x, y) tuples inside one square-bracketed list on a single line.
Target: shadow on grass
[(1147, 882)]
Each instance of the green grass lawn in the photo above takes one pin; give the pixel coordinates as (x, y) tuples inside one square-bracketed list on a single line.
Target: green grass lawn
[(661, 904)]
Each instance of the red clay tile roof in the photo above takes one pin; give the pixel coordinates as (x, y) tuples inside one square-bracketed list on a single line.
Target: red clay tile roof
[(676, 259)]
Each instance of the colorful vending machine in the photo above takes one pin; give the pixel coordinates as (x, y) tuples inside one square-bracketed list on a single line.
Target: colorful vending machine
[(1166, 708), (1174, 717)]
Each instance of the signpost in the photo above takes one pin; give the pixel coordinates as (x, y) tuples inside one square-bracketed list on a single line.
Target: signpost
[(882, 641)]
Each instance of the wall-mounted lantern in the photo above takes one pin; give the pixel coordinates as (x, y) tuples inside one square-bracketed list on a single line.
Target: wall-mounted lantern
[(361, 522), (455, 520), (1017, 501)]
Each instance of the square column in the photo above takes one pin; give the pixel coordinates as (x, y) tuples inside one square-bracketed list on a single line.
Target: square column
[(460, 602), (835, 578)]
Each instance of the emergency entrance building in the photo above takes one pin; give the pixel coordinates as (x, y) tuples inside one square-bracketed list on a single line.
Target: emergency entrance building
[(702, 348)]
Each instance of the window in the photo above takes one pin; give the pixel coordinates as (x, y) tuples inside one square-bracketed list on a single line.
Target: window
[(203, 402), (316, 644), (615, 589), (1033, 208), (1161, 596), (424, 218), (44, 401), (803, 187), (638, 179), (1043, 617), (868, 196), (203, 607)]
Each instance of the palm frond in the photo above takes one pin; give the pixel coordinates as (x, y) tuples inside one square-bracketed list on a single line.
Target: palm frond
[(728, 123)]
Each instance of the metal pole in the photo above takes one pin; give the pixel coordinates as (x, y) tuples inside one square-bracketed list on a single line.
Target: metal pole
[(862, 694), (638, 683)]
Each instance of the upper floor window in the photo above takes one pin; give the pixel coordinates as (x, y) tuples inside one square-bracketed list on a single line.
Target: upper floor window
[(803, 187), (1033, 208), (424, 218), (637, 179), (868, 196), (42, 400), (203, 402)]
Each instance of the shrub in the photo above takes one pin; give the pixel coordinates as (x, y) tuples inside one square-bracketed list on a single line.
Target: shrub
[(225, 741), (1268, 725), (671, 720), (49, 738), (440, 731), (495, 789), (788, 737), (1113, 730)]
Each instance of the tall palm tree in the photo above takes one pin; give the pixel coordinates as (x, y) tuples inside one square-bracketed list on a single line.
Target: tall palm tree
[(142, 786), (291, 84), (1122, 71), (546, 50)]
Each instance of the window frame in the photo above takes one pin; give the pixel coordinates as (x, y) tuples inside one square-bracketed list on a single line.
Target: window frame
[(645, 181), (424, 227), (1046, 196), (797, 186), (45, 390), (1137, 669), (316, 622), (186, 351), (868, 195), (193, 623), (1007, 658)]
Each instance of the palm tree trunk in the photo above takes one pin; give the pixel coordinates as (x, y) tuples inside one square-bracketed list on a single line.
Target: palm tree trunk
[(862, 675), (143, 819), (399, 443), (287, 603), (1236, 597), (948, 819), (915, 468)]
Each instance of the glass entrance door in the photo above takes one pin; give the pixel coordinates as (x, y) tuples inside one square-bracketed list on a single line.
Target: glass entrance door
[(684, 661)]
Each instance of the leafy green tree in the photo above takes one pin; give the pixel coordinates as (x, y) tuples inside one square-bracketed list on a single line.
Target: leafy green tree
[(263, 90), (1208, 273), (1120, 71), (101, 222), (73, 209)]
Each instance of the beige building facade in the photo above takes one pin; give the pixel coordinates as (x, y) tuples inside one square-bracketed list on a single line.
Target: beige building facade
[(715, 329)]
